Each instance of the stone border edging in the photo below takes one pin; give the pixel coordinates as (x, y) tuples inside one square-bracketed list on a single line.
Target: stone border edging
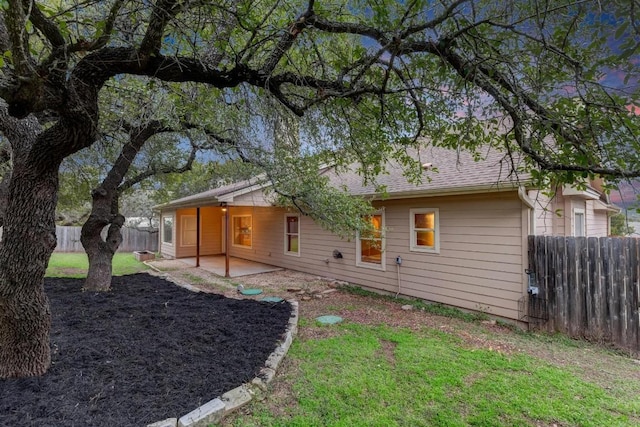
[(215, 410)]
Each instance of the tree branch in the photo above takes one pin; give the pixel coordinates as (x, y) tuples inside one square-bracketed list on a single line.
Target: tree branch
[(163, 11), (446, 14), (46, 26), (138, 136), (104, 38), (16, 19), (347, 28), (286, 41), (162, 170)]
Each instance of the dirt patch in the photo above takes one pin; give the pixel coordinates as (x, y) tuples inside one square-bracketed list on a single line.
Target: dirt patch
[(387, 349), (68, 271), (281, 394), (485, 342)]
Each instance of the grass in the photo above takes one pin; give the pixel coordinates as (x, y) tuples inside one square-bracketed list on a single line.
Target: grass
[(75, 265), (383, 376), (197, 280)]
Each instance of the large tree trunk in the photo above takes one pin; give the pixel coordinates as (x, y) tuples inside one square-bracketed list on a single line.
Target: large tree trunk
[(29, 232), (105, 209), (29, 238), (100, 251)]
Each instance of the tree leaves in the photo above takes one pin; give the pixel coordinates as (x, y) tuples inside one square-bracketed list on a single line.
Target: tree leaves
[(553, 81)]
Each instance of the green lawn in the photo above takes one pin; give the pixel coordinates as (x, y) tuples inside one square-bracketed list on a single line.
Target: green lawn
[(77, 264), (383, 376)]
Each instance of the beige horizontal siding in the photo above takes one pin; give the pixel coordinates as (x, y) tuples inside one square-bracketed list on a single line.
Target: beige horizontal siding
[(479, 266), (265, 238), (481, 239), (544, 211), (554, 217), (558, 216), (413, 258), (463, 225), (597, 222)]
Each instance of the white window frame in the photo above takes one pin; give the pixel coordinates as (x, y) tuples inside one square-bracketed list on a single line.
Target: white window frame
[(233, 240), (579, 211), (286, 234), (383, 243), (413, 237), (173, 229), (183, 219)]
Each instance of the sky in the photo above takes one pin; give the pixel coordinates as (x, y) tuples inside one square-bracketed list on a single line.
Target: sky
[(627, 195)]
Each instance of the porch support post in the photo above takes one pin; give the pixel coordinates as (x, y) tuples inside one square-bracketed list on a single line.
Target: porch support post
[(227, 242), (197, 237)]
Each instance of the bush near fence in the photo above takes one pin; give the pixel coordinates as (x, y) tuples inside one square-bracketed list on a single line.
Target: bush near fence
[(132, 239), (587, 287)]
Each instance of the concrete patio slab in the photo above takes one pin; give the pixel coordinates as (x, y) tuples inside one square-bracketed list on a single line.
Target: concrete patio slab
[(215, 264)]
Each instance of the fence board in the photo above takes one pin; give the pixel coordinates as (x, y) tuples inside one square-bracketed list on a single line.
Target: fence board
[(617, 289), (635, 305), (590, 285), (570, 288), (132, 239), (591, 299)]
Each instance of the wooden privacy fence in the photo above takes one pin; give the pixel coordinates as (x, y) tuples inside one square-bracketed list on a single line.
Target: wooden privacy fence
[(132, 239), (587, 287)]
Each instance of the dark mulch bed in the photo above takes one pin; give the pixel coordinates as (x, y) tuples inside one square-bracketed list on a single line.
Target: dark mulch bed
[(146, 351)]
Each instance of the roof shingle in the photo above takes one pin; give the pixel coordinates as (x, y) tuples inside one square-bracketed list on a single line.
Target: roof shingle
[(450, 172)]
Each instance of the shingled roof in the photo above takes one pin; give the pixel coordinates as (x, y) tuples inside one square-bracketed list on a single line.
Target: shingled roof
[(218, 195), (445, 172)]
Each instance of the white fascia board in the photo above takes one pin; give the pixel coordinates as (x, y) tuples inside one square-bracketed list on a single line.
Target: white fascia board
[(588, 193)]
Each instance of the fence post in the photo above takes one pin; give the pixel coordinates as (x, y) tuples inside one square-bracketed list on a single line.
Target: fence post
[(594, 317)]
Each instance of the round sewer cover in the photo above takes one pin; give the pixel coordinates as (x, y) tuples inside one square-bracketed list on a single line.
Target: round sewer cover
[(329, 320), (251, 291), (272, 299)]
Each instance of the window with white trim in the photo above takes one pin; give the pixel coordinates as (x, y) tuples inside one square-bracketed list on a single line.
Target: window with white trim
[(242, 232), (579, 223), (167, 229), (370, 244), (425, 230), (188, 230), (292, 234)]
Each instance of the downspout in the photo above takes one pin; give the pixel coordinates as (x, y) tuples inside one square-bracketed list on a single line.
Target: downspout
[(522, 195)]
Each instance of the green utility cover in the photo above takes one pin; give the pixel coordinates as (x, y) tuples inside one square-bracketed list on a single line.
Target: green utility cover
[(272, 299), (329, 319), (251, 291)]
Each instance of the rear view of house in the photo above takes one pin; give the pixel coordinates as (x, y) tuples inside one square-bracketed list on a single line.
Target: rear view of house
[(458, 238)]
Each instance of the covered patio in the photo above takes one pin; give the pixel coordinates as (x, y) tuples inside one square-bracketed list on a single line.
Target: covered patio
[(237, 266), (214, 230)]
